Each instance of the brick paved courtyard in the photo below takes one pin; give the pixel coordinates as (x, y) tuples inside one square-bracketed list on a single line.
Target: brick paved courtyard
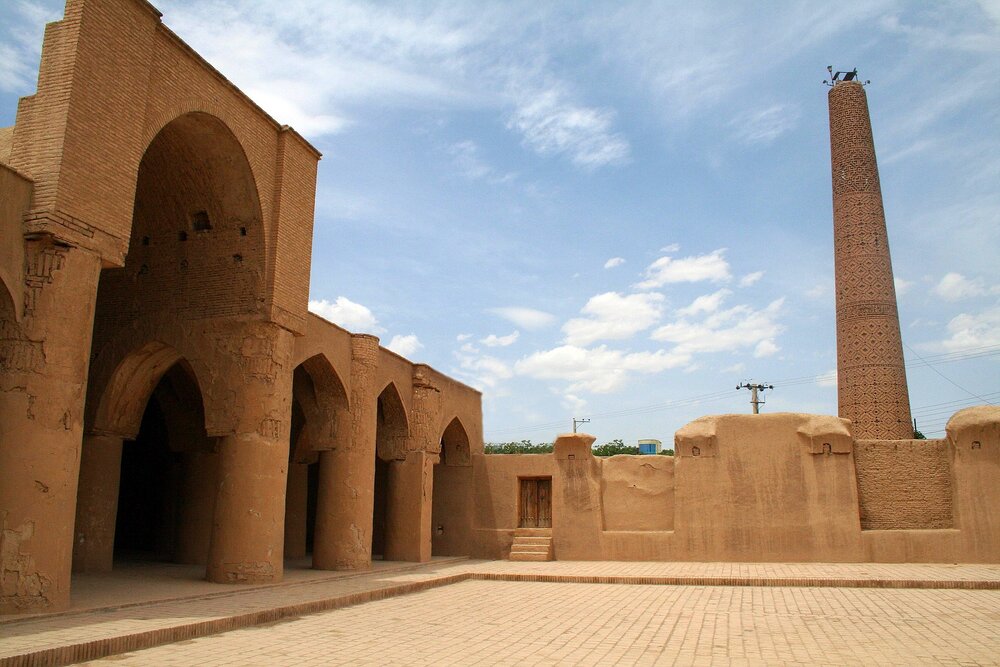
[(532, 623), (456, 611)]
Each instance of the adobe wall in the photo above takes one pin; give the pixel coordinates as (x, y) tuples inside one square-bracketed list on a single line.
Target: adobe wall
[(14, 203), (904, 484), (496, 494), (779, 487)]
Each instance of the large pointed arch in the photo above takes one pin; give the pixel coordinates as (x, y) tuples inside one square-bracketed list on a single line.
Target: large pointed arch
[(393, 426), (455, 447), (123, 399)]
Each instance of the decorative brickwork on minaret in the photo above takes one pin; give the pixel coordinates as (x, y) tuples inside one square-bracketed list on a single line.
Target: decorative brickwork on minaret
[(871, 378)]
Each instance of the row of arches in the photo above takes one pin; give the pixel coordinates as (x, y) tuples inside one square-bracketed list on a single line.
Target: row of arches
[(179, 332), (168, 470)]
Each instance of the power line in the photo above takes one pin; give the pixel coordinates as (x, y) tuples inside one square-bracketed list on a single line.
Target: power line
[(946, 377), (928, 361)]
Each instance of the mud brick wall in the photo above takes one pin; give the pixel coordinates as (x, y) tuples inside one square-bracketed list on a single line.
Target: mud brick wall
[(904, 484)]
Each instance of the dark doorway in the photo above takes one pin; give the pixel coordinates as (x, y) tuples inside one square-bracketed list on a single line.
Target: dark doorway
[(144, 525), (381, 506)]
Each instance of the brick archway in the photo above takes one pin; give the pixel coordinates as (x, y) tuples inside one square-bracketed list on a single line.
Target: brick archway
[(320, 423)]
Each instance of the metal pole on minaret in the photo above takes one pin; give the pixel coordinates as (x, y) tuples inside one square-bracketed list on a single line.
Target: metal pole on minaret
[(871, 378)]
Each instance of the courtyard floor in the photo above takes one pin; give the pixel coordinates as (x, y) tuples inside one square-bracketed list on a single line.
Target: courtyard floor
[(497, 612)]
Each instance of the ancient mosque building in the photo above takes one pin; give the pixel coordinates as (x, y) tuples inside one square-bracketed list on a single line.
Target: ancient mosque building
[(164, 391), (157, 227)]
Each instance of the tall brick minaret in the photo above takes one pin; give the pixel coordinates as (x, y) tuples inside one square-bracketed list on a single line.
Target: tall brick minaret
[(871, 378)]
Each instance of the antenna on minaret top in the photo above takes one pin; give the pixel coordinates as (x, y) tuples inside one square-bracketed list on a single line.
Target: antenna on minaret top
[(835, 77)]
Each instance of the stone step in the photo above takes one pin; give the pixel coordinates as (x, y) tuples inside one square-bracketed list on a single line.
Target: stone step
[(531, 556), (533, 546), (530, 548), (533, 532)]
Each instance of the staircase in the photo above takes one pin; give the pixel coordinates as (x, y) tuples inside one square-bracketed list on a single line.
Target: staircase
[(532, 544)]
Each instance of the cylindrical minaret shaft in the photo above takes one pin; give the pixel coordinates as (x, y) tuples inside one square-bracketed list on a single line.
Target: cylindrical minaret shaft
[(871, 378)]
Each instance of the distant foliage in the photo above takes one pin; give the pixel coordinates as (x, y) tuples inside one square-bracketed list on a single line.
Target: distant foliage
[(522, 447), (616, 446), (917, 435)]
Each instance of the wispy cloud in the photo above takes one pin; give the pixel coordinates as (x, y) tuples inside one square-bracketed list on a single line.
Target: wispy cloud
[(405, 345), (613, 262), (598, 370), (501, 341), (735, 328), (348, 314), (707, 303), (712, 267), (482, 371), (613, 316), (973, 330), (955, 287), (751, 278), (526, 318), (550, 122), (467, 158), (763, 126), (21, 45)]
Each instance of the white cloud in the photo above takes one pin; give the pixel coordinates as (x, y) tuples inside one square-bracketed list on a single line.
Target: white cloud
[(465, 155), (463, 337), (672, 247), (818, 291), (968, 331), (902, 286), (612, 316), (707, 303), (751, 278), (405, 346), (613, 262), (597, 370), (500, 341), (348, 314), (725, 331), (21, 47), (551, 123), (481, 371), (573, 403), (955, 287), (763, 126), (696, 268), (765, 348), (526, 318)]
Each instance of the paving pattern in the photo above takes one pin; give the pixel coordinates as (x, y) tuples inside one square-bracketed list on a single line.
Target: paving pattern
[(561, 612), (528, 623)]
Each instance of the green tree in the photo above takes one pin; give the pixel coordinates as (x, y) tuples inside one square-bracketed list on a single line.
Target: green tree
[(616, 446), (520, 447)]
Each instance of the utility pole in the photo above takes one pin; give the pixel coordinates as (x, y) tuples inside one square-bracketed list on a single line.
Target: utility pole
[(579, 421), (755, 387)]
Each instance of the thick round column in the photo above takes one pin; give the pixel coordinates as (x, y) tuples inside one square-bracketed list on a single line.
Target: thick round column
[(43, 379), (408, 513), (296, 505), (248, 527), (345, 503), (198, 484), (871, 379), (97, 503)]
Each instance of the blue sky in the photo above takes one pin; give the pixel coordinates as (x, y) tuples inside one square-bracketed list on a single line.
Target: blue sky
[(621, 210)]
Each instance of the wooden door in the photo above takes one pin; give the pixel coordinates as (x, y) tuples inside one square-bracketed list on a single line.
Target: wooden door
[(535, 506)]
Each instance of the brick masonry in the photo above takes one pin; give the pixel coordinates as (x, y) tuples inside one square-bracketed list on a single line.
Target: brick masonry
[(871, 379)]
